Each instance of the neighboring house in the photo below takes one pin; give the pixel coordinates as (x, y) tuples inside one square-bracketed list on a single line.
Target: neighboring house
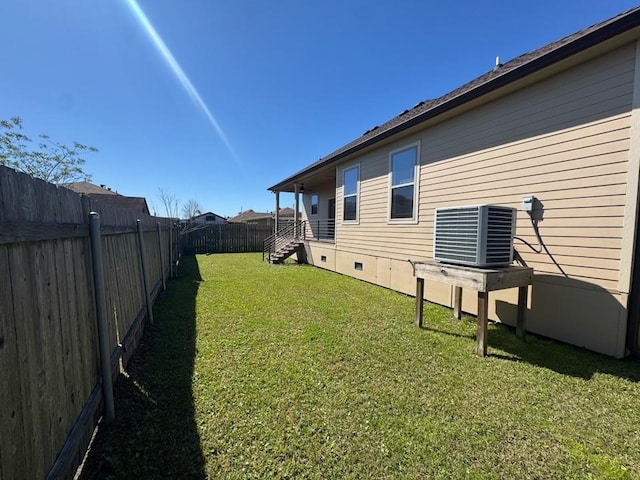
[(287, 214), (561, 123), (264, 218), (249, 216), (209, 218), (105, 196)]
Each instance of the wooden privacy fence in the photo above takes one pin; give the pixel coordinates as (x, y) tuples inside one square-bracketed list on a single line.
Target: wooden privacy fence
[(225, 238), (51, 394)]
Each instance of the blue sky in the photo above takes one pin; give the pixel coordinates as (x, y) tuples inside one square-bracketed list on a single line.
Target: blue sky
[(285, 82)]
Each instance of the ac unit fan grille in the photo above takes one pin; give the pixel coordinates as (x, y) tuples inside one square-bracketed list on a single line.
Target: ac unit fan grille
[(475, 235), (457, 235)]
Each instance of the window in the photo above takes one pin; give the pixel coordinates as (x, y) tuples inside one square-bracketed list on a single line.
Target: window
[(210, 218), (350, 193), (357, 265), (403, 183), (314, 204)]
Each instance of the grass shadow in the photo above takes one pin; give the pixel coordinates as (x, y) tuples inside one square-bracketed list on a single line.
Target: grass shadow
[(154, 434), (587, 318), (559, 357), (545, 352), (447, 332)]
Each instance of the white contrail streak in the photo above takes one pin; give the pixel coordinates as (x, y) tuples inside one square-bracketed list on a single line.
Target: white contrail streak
[(179, 73)]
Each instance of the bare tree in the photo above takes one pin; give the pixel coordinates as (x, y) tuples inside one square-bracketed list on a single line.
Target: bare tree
[(170, 202), (191, 209), (153, 208)]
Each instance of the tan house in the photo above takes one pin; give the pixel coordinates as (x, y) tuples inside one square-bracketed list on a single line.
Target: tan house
[(560, 123)]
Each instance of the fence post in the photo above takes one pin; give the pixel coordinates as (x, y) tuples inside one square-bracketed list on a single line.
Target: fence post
[(171, 250), (101, 316), (164, 283), (143, 267)]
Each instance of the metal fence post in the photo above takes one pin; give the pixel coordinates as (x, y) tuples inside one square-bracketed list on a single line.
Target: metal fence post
[(101, 316), (172, 249), (164, 283), (143, 267)]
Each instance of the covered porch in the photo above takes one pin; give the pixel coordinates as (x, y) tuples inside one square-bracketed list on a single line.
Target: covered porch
[(314, 203), (314, 217)]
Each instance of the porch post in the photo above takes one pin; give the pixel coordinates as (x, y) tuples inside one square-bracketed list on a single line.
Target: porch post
[(277, 210), (297, 199)]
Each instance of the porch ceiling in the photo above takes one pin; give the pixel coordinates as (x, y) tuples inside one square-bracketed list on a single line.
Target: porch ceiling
[(311, 181)]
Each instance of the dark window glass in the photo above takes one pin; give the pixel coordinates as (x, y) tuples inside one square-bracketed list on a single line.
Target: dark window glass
[(402, 202), (314, 204), (350, 207)]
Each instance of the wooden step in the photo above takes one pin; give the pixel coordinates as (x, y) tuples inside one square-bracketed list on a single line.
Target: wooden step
[(285, 252)]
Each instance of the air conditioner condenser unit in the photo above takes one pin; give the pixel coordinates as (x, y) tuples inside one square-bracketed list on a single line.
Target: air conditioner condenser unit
[(476, 235)]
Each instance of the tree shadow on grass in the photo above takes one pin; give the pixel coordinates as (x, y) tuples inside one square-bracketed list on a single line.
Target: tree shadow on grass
[(155, 434)]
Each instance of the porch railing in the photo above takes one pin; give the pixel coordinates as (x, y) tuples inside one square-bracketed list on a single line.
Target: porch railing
[(290, 232), (324, 230)]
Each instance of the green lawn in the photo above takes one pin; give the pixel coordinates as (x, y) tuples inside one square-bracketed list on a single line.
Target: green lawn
[(286, 371)]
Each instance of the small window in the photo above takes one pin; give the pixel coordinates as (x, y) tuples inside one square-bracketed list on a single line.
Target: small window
[(314, 204), (210, 218), (351, 177), (357, 265), (323, 258), (403, 183)]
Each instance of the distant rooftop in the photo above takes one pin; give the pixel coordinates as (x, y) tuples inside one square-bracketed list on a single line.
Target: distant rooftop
[(108, 197), (250, 215), (88, 188)]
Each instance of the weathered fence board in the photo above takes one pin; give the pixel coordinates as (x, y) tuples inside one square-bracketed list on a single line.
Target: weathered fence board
[(49, 361), (225, 238), (85, 322), (68, 339), (29, 355), (52, 399), (12, 462)]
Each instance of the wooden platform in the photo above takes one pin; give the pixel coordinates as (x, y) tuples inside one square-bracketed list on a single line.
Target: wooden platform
[(481, 280)]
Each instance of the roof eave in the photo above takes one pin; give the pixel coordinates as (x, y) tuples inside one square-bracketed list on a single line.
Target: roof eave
[(591, 39)]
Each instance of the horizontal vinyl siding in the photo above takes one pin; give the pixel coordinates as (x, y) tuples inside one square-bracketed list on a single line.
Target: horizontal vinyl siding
[(557, 104), (564, 140)]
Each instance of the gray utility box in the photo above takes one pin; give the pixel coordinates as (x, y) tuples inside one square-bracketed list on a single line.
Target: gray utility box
[(476, 235)]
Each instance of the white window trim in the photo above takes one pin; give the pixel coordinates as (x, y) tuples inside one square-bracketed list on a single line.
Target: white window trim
[(416, 186), (311, 214), (357, 194)]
